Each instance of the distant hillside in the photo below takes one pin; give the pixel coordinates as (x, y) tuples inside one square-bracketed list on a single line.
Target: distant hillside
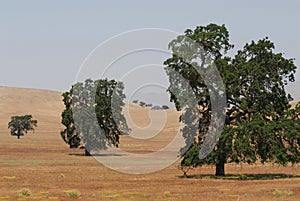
[(45, 106)]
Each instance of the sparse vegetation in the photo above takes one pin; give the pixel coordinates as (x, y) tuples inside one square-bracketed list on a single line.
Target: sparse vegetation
[(9, 177), (279, 193), (73, 193), (289, 193), (62, 176), (5, 198), (167, 194), (24, 192), (94, 196), (243, 177)]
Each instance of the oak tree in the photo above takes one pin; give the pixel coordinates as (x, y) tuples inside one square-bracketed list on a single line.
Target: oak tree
[(93, 116), (259, 123), (21, 124)]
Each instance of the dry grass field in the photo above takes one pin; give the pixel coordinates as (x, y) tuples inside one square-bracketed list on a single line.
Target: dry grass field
[(42, 163)]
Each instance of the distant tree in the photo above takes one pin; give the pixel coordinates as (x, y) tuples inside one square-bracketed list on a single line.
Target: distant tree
[(165, 107), (21, 124), (258, 123), (135, 101), (102, 99), (148, 105), (142, 103), (156, 107)]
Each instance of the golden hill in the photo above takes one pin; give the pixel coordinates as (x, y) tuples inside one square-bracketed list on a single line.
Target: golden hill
[(45, 106), (151, 130)]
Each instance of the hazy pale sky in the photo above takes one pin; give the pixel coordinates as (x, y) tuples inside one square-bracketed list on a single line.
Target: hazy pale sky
[(43, 43)]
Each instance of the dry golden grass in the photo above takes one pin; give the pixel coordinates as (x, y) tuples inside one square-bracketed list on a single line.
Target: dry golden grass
[(43, 163)]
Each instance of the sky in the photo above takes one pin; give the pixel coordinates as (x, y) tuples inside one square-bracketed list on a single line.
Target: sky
[(43, 44)]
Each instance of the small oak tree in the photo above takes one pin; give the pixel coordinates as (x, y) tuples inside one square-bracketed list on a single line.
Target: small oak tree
[(21, 124), (165, 107), (142, 103)]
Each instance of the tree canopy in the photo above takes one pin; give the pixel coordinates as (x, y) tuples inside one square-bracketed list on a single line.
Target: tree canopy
[(259, 124), (93, 115), (21, 124)]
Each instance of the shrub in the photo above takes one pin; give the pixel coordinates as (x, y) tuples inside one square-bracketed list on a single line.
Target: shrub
[(73, 193), (167, 194), (242, 177), (289, 193), (277, 193), (62, 176), (24, 192)]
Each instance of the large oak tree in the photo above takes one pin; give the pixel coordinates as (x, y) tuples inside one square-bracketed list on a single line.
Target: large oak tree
[(259, 123)]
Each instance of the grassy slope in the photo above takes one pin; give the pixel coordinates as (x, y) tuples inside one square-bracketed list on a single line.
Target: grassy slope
[(42, 162)]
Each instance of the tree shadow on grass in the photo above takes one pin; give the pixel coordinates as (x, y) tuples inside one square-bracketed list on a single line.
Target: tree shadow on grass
[(243, 176), (95, 155), (76, 154)]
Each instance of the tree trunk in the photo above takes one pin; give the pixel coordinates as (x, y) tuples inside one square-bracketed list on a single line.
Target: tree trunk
[(86, 152), (220, 169), (19, 133)]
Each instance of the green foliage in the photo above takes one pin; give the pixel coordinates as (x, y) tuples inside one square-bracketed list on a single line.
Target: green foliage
[(259, 123), (191, 157), (148, 105), (96, 107), (158, 107), (142, 103), (69, 134), (21, 124), (165, 107)]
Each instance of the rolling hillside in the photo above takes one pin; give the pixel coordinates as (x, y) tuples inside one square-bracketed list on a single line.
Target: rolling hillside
[(45, 165), (45, 106)]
